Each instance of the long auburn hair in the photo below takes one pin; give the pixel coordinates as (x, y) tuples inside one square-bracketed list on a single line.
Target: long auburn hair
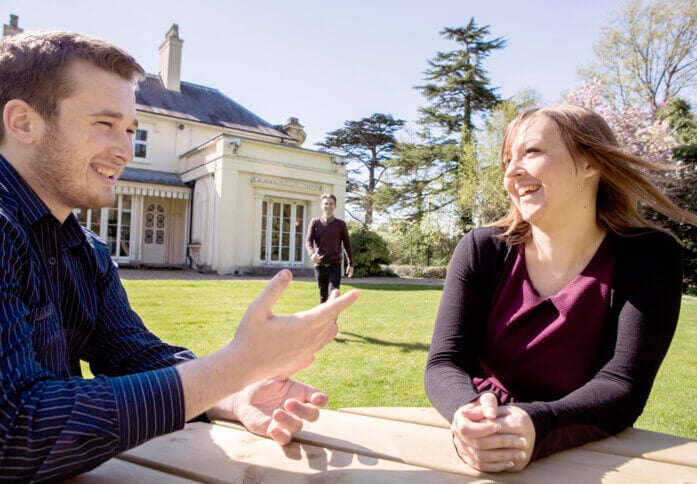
[(624, 178)]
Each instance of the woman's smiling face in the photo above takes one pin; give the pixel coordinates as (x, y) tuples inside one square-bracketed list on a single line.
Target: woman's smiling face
[(541, 177)]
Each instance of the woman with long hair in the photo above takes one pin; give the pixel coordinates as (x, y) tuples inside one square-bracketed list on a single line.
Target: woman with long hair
[(555, 319)]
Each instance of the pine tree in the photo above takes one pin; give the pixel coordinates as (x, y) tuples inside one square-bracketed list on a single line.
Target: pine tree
[(437, 166), (459, 86), (368, 144)]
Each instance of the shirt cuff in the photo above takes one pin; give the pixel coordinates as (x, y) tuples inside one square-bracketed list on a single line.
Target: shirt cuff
[(149, 404)]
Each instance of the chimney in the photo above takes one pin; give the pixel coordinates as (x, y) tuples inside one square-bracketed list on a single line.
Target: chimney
[(295, 130), (171, 59), (13, 28)]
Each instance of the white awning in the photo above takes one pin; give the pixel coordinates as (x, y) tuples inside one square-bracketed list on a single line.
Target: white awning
[(151, 190)]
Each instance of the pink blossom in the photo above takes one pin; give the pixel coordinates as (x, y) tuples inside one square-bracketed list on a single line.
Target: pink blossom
[(636, 130)]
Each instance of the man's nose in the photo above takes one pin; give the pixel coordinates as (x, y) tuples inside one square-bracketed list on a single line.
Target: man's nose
[(122, 147)]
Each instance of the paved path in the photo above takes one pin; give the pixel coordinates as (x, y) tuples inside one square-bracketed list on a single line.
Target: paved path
[(127, 273)]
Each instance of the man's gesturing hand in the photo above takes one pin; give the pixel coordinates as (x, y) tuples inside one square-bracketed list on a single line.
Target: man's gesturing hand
[(274, 345)]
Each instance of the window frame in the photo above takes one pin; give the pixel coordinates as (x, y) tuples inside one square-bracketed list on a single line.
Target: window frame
[(147, 143)]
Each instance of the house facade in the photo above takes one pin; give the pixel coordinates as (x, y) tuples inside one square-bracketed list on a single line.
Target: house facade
[(212, 186)]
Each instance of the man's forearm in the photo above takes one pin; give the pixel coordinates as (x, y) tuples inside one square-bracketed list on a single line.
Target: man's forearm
[(208, 380), (90, 422)]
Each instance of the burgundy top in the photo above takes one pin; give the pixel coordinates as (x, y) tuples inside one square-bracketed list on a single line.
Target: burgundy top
[(327, 237), (640, 316), (545, 346)]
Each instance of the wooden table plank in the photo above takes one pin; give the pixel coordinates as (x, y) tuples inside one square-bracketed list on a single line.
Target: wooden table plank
[(117, 471), (418, 415), (630, 442), (217, 453), (429, 446), (649, 445)]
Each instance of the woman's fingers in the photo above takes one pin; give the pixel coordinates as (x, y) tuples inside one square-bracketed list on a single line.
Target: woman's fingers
[(492, 454), (490, 405)]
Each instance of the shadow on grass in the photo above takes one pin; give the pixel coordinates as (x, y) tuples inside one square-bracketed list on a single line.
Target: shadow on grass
[(404, 347), (394, 287)]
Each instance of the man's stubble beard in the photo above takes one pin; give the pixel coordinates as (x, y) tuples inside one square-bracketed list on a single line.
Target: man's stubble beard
[(55, 166)]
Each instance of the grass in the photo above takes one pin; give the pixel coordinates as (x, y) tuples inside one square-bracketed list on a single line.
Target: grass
[(671, 407), (380, 353)]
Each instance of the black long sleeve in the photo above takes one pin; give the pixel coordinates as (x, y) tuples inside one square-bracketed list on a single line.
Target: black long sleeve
[(644, 307)]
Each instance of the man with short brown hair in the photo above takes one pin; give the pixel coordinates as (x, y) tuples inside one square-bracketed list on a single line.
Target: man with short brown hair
[(68, 118), (325, 237)]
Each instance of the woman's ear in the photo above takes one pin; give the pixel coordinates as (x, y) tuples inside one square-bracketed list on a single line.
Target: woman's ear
[(21, 122), (589, 169)]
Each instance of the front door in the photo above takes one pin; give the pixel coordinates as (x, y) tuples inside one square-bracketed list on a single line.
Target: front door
[(155, 233)]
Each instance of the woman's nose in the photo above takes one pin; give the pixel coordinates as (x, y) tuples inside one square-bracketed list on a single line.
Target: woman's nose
[(513, 169)]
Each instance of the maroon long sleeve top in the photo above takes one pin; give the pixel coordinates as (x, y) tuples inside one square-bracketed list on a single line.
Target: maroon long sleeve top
[(326, 237), (634, 332)]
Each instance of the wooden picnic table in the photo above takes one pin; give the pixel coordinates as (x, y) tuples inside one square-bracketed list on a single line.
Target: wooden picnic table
[(383, 445)]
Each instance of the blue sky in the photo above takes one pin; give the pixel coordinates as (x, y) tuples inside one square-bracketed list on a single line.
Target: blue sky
[(325, 61)]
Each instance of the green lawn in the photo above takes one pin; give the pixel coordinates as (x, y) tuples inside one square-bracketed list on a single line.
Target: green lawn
[(379, 355)]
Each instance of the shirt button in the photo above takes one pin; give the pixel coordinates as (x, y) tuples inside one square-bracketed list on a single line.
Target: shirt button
[(52, 261)]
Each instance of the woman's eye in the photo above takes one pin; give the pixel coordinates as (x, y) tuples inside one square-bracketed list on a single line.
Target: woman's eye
[(532, 150)]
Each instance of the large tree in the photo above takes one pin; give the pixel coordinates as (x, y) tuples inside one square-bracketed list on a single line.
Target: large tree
[(430, 170), (647, 53), (458, 87), (423, 179), (367, 144)]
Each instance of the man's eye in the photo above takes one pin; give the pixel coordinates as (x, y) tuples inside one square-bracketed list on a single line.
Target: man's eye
[(104, 123)]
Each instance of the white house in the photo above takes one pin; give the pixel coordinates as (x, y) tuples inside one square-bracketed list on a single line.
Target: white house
[(212, 186)]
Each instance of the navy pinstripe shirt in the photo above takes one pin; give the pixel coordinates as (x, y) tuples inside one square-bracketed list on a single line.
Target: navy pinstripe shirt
[(61, 301)]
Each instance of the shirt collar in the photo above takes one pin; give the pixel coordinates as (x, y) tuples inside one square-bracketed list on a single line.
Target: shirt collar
[(13, 186), (16, 189)]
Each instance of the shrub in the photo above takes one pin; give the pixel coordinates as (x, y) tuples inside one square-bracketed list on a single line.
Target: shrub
[(369, 252), (432, 272)]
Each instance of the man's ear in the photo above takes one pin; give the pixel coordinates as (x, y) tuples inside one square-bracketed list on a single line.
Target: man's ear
[(21, 122)]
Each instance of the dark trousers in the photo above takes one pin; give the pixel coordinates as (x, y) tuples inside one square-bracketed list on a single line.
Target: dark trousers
[(328, 278)]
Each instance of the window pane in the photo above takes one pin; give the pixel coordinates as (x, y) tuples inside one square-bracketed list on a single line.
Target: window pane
[(125, 244), (299, 216), (262, 252), (298, 255), (140, 144), (96, 220), (274, 245), (299, 226), (112, 230), (275, 222), (81, 214), (140, 150)]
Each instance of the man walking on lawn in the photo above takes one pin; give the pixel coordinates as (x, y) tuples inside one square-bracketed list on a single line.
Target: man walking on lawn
[(68, 119), (325, 237)]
